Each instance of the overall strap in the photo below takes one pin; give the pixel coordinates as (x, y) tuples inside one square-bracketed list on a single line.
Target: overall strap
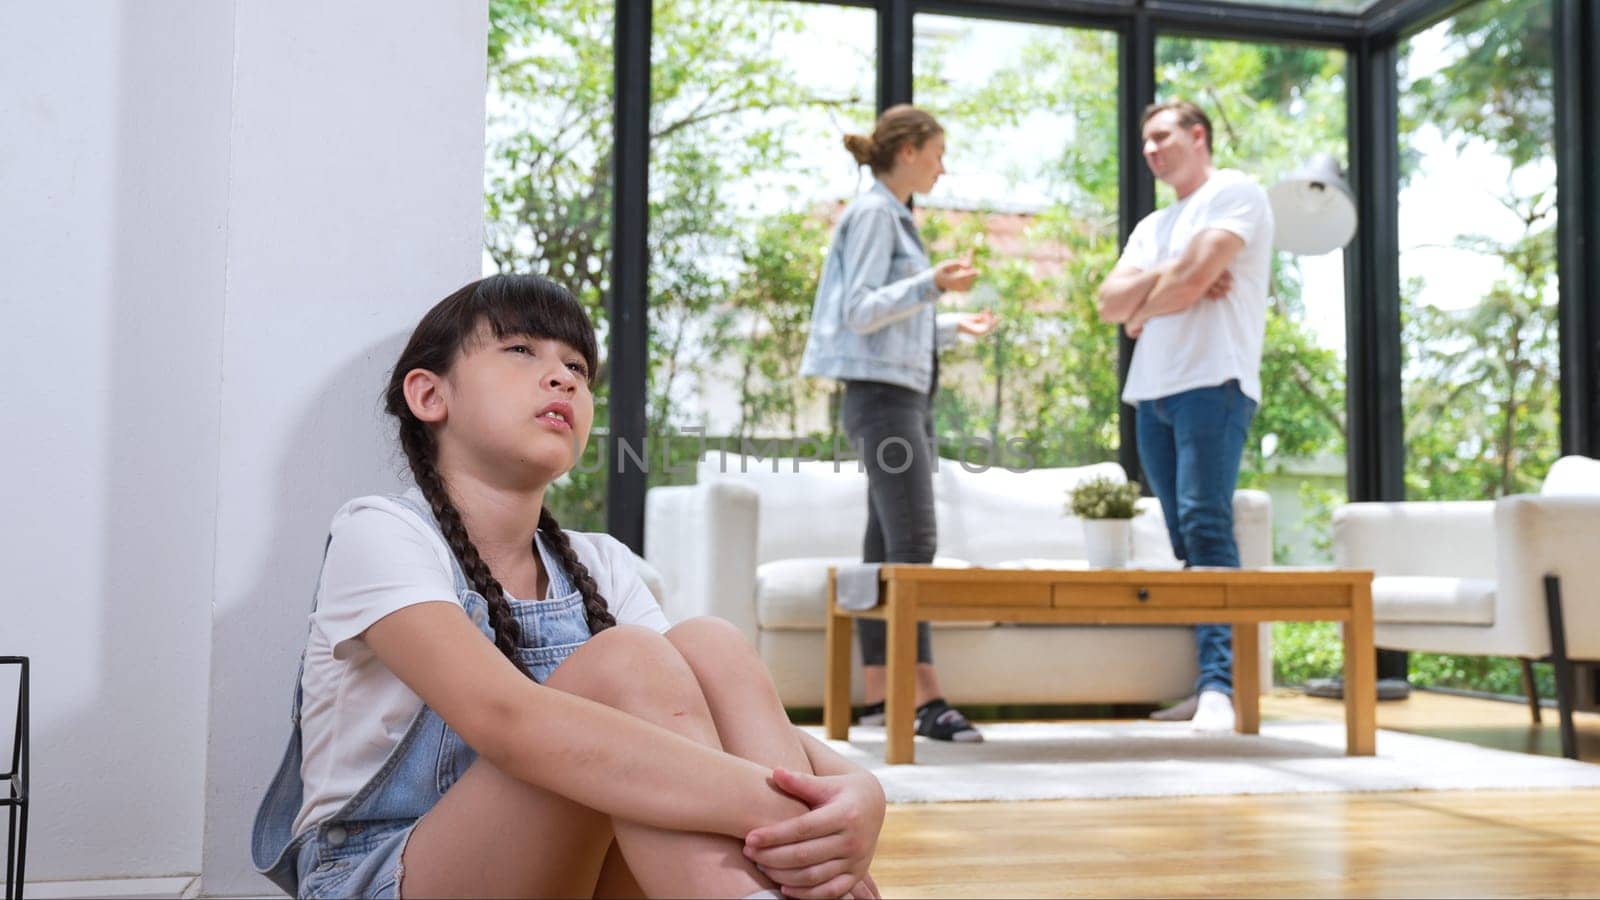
[(560, 582), (300, 670)]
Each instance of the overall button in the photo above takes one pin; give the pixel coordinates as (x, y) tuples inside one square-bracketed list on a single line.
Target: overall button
[(336, 836)]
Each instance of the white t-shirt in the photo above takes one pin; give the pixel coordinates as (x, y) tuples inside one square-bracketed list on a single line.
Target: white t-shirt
[(383, 557), (1213, 340)]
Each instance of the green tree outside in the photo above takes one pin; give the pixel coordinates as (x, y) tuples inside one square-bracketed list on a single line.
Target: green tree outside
[(732, 283)]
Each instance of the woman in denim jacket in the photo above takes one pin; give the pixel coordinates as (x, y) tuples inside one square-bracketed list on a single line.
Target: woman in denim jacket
[(874, 327)]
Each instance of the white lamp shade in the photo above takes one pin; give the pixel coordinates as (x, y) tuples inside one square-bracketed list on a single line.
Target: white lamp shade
[(1313, 208)]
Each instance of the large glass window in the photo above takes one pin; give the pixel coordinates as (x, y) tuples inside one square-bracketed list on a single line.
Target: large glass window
[(750, 101), (547, 177), (1271, 107), (1478, 272), (1477, 253), (1030, 113)]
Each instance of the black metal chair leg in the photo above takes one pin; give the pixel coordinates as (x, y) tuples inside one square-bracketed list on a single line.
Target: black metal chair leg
[(16, 784), (11, 853), (1530, 689), (22, 851), (1563, 666)]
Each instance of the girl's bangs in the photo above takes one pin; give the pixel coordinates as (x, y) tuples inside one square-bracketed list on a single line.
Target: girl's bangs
[(536, 307)]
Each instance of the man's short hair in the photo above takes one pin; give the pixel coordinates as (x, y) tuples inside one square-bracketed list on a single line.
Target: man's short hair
[(1189, 116)]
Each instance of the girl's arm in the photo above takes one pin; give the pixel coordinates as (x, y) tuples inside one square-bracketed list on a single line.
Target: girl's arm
[(824, 761), (586, 751), (827, 851)]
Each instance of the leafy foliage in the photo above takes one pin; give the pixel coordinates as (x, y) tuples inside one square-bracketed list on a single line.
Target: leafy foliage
[(1103, 498), (1481, 398), (732, 279), (548, 186)]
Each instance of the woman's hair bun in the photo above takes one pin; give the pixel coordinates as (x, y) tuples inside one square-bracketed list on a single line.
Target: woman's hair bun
[(861, 147)]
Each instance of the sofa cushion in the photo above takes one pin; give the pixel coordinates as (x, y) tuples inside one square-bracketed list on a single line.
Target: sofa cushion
[(806, 507), (997, 514), (1426, 600), (793, 593)]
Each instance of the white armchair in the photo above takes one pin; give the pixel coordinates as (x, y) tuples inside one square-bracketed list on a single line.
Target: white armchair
[(1518, 576)]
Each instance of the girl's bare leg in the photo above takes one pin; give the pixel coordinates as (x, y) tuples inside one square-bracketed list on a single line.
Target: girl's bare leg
[(492, 835), (749, 717), (616, 879), (744, 704)]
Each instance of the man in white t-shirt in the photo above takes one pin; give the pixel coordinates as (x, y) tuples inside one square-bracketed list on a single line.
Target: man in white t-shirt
[(1191, 286)]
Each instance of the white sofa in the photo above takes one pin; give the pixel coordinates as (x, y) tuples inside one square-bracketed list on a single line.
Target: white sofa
[(752, 540), (1467, 577)]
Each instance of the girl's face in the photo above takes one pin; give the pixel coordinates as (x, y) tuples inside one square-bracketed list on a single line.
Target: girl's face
[(519, 408), (923, 164)]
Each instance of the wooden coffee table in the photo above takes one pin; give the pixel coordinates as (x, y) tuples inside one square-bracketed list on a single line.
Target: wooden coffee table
[(1240, 597)]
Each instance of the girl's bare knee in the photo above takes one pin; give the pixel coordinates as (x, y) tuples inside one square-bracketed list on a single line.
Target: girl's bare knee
[(709, 630), (631, 668), (713, 645)]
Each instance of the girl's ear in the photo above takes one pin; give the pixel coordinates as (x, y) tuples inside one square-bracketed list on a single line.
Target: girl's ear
[(426, 395)]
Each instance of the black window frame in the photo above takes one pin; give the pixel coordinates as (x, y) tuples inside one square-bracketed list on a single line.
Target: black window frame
[(1370, 40)]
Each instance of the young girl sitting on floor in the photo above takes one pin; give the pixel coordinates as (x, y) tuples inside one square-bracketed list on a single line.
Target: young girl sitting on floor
[(453, 739)]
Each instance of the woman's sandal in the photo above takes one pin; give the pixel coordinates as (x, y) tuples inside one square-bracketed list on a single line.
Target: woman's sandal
[(939, 720)]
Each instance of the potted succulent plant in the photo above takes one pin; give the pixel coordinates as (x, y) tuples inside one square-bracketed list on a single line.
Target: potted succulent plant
[(1106, 507)]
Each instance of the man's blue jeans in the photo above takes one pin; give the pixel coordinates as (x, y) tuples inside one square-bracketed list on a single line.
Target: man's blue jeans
[(1189, 447)]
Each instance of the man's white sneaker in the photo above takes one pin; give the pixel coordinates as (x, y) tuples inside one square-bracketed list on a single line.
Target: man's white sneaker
[(1214, 712), (1182, 711)]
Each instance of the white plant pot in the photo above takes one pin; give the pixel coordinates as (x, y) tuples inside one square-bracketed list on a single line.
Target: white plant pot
[(1107, 542)]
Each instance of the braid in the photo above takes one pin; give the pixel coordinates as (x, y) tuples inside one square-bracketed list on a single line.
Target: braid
[(594, 605), (417, 443)]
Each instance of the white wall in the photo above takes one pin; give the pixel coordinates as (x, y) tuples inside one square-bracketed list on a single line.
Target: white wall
[(113, 164), (217, 221), (356, 202)]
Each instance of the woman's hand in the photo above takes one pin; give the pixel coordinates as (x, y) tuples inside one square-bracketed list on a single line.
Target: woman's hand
[(954, 275), (825, 852), (978, 324)]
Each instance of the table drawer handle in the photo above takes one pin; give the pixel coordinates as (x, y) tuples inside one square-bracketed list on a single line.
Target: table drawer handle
[(1144, 594)]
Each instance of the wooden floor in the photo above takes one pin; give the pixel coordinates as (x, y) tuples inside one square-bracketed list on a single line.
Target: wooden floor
[(1412, 844)]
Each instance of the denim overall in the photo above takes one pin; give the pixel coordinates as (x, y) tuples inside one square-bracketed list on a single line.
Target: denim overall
[(356, 851)]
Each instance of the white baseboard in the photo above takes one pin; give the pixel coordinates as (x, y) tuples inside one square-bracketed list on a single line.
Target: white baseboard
[(173, 887)]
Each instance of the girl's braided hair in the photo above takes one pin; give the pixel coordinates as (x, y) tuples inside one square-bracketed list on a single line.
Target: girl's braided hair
[(511, 305)]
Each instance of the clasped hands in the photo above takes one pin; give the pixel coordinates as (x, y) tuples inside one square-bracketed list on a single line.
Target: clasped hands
[(824, 852)]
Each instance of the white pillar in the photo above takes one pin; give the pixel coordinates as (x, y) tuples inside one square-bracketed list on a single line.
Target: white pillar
[(218, 220)]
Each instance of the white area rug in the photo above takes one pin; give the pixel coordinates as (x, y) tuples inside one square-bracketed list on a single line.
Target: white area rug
[(1053, 761)]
